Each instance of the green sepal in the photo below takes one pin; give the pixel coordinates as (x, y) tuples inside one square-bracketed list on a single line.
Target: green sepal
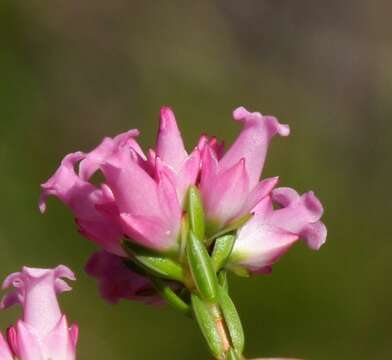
[(196, 212), (206, 321), (232, 226), (153, 263), (201, 267), (184, 234), (167, 293), (239, 271), (232, 320), (222, 250)]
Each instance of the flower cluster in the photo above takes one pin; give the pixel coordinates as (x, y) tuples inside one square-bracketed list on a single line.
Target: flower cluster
[(43, 332), (143, 199)]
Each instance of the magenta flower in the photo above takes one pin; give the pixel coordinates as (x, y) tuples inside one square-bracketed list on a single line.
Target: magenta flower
[(43, 332), (117, 281)]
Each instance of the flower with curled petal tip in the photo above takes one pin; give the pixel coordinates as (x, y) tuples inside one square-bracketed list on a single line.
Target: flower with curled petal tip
[(141, 197), (229, 182), (43, 332), (271, 232)]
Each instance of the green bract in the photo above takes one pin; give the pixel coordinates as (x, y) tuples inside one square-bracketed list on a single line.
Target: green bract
[(196, 212), (201, 267)]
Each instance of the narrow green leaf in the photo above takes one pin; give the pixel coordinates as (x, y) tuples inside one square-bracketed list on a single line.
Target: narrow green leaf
[(184, 236), (161, 267), (201, 267), (232, 320), (166, 292), (153, 263), (207, 325), (222, 250), (233, 226), (196, 212)]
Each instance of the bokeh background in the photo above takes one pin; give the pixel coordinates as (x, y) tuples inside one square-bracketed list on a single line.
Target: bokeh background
[(72, 72)]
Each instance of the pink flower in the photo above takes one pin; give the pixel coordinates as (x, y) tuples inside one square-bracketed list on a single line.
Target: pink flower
[(229, 182), (43, 333), (94, 208), (141, 196), (271, 232), (117, 281)]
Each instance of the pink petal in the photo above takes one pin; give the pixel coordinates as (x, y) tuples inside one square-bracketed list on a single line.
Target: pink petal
[(134, 189), (170, 147), (260, 245), (63, 182), (167, 197), (64, 272), (209, 169), (252, 143), (5, 351), (150, 232), (40, 307), (105, 149), (74, 334), (285, 196), (300, 212), (10, 299), (188, 174), (224, 197), (262, 189), (314, 234), (58, 344), (12, 339), (28, 343)]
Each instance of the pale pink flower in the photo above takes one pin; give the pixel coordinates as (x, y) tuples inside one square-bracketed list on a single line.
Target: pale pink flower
[(43, 332), (117, 281), (271, 232)]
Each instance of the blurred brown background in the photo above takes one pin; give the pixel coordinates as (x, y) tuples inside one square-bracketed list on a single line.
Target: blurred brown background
[(74, 71)]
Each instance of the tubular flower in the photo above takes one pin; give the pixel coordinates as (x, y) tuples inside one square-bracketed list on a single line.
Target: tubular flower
[(117, 281), (43, 333), (141, 196), (229, 184), (271, 232), (231, 189)]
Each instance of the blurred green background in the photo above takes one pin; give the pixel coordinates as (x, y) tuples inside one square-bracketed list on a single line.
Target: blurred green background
[(72, 72)]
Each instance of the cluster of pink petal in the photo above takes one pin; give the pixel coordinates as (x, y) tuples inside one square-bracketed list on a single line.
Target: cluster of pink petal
[(142, 196), (43, 332)]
